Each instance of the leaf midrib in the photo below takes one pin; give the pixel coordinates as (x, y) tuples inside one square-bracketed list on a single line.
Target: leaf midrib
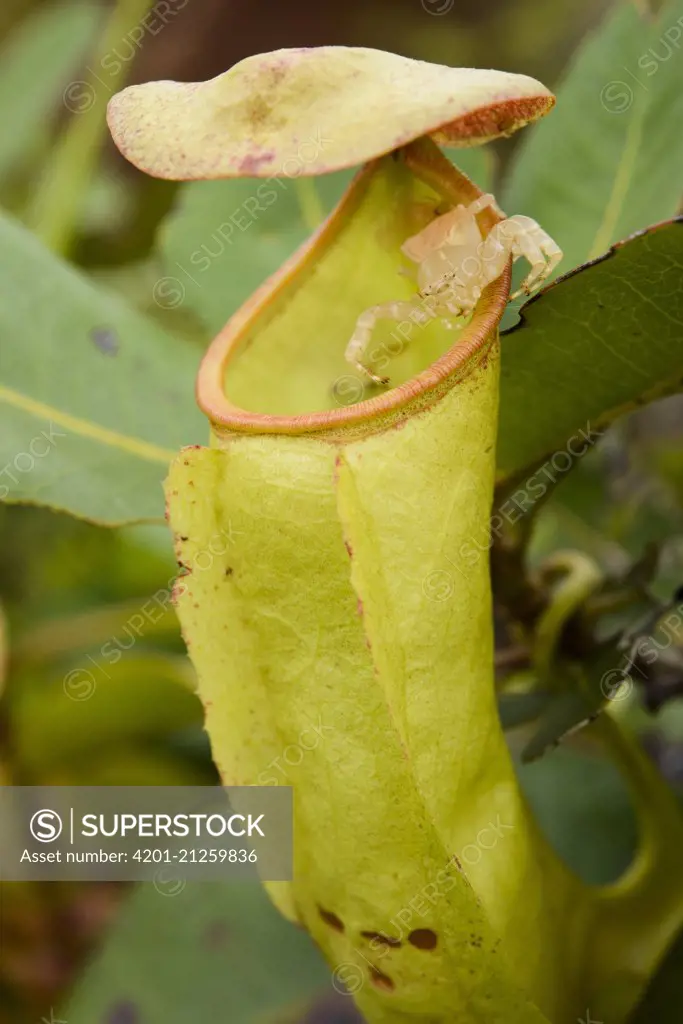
[(87, 429), (604, 235)]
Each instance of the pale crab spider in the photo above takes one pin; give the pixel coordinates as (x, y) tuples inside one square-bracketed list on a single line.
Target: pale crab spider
[(454, 264)]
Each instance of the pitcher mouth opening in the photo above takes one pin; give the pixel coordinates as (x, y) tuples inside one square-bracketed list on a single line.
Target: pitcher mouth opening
[(353, 413)]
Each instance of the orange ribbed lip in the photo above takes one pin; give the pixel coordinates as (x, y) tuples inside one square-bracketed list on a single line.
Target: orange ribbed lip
[(225, 416)]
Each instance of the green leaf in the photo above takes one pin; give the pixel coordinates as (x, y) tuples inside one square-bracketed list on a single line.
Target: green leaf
[(517, 709), (596, 344), (211, 952), (94, 398), (113, 699), (566, 712), (608, 161), (583, 806), (57, 200), (37, 61)]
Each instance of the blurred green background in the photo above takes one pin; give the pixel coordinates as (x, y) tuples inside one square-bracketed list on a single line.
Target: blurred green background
[(92, 694)]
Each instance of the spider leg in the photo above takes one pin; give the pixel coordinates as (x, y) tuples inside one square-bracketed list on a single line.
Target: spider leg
[(554, 257), (539, 271), (540, 250), (416, 312), (542, 265)]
